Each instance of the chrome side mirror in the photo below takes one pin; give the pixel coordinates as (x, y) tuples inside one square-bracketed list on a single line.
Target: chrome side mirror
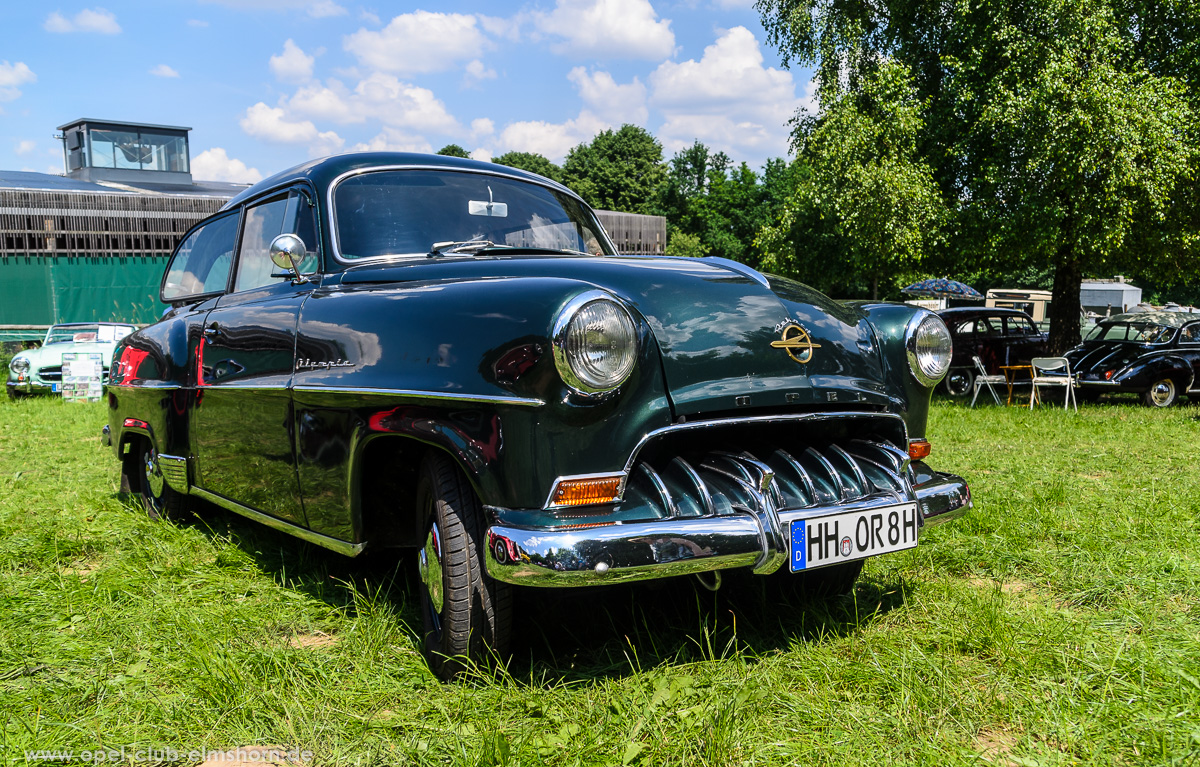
[(287, 252)]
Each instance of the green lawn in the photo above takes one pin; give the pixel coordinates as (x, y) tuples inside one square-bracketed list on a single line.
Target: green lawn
[(1058, 623)]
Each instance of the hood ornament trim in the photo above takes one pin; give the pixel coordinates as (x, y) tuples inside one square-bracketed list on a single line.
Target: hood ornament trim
[(796, 341)]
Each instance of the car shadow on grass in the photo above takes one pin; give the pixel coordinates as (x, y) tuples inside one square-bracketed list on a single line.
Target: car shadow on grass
[(577, 634)]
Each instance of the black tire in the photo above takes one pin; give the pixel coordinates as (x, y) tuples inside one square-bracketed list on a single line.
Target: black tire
[(157, 498), (467, 616), (958, 382), (822, 584), (1162, 393)]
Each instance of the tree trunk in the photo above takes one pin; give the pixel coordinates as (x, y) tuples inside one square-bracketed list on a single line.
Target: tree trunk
[(1064, 302), (875, 288)]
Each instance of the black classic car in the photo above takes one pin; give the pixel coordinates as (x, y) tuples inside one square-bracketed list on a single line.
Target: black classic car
[(397, 350), (997, 336), (1154, 354)]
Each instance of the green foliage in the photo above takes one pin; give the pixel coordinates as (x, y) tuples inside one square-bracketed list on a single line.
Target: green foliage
[(619, 170), (1054, 624), (869, 209), (682, 243), (532, 162), (1061, 134), (454, 150)]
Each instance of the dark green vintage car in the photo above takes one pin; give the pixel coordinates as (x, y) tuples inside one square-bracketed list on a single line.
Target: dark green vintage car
[(396, 350)]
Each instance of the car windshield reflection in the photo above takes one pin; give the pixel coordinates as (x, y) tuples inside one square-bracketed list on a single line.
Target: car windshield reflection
[(421, 212)]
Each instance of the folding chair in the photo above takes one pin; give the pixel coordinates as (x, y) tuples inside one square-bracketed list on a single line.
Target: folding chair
[(983, 378), (1053, 371)]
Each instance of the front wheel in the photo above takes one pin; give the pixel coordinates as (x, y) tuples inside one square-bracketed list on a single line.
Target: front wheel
[(467, 616), (1162, 393)]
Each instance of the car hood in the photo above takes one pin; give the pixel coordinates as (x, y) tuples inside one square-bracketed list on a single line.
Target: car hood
[(1096, 358), (51, 355), (714, 322)]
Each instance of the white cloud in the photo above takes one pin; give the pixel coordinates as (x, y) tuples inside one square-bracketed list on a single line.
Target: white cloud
[(370, 18), (215, 165), (733, 5), (482, 126), (507, 28), (380, 97), (271, 124), (393, 140), (12, 77), (293, 65), (26, 146), (552, 140), (608, 29), (95, 20), (481, 154), (606, 98), (418, 42), (727, 100), (477, 71), (162, 70), (323, 9)]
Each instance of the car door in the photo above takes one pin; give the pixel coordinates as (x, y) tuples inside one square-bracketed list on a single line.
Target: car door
[(243, 433), (1023, 340), (1189, 349)]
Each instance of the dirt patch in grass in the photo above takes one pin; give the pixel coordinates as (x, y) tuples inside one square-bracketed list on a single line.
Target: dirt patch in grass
[(1006, 587), (82, 570), (312, 641), (995, 744)]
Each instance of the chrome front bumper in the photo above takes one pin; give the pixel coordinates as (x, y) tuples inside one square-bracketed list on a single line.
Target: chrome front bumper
[(620, 553)]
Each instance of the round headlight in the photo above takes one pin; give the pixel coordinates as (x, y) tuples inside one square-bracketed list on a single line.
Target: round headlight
[(595, 343), (929, 349), (19, 365)]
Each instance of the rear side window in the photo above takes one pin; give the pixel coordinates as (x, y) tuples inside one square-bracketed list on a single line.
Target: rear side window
[(265, 222), (202, 262)]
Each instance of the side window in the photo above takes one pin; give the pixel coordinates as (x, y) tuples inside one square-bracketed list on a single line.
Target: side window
[(1018, 326), (1190, 334), (202, 261), (263, 223), (988, 326)]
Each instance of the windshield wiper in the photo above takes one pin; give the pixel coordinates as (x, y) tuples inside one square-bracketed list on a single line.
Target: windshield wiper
[(466, 246)]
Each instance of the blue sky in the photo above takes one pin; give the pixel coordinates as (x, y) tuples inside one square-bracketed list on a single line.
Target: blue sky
[(266, 84)]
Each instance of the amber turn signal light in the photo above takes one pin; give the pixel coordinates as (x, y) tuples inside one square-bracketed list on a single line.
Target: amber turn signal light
[(918, 449), (585, 492)]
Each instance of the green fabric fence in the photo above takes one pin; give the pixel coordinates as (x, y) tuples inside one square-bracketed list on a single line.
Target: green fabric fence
[(42, 290)]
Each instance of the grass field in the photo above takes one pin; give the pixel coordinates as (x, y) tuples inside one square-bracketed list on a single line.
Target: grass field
[(1058, 623)]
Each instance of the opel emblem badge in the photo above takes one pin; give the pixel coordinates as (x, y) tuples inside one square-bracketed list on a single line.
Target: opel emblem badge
[(796, 341)]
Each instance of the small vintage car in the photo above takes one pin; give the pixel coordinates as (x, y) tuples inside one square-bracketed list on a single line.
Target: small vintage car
[(997, 336), (384, 350), (1154, 354), (39, 371)]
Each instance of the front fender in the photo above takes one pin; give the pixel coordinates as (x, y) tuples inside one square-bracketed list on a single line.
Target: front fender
[(891, 323)]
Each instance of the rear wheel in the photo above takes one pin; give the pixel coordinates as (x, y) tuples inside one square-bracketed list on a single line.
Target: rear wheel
[(1162, 393), (159, 500), (958, 382), (467, 615)]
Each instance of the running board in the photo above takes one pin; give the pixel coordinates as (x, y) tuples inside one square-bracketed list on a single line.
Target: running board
[(303, 533)]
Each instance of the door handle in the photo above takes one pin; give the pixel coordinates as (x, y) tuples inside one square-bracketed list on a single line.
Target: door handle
[(213, 329)]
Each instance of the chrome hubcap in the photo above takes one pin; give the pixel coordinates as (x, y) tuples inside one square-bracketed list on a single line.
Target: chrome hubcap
[(154, 477), (1162, 392), (958, 383), (429, 565)]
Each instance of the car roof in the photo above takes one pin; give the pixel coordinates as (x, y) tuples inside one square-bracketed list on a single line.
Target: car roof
[(323, 171), (959, 312), (1170, 319)]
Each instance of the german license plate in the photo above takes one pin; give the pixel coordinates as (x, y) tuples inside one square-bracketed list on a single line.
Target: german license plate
[(834, 538)]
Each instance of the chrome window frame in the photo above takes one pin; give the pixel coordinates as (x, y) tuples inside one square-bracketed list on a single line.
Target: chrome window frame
[(335, 245)]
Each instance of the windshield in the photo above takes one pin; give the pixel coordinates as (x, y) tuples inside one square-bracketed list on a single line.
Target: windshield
[(86, 334), (1131, 332), (423, 212)]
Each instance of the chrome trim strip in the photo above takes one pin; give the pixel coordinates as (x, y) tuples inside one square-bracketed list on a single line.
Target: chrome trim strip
[(160, 385), (174, 469), (303, 533), (620, 553), (333, 185), (549, 504), (416, 394)]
